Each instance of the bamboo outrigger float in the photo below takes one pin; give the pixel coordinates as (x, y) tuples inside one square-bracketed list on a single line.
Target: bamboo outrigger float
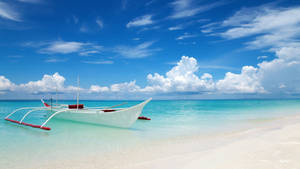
[(118, 117)]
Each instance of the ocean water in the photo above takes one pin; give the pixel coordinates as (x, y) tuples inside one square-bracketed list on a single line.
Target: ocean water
[(169, 119)]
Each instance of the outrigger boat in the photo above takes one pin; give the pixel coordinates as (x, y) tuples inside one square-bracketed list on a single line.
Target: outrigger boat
[(109, 116)]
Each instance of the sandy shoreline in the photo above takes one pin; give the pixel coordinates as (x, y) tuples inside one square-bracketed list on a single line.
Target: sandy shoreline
[(269, 144), (272, 145), (271, 149)]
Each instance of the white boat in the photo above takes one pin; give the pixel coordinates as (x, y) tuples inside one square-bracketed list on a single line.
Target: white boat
[(118, 117)]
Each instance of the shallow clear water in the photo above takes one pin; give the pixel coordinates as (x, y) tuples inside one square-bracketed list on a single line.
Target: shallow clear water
[(169, 119)]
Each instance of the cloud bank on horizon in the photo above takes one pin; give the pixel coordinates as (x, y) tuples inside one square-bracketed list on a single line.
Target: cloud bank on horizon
[(266, 78), (266, 27)]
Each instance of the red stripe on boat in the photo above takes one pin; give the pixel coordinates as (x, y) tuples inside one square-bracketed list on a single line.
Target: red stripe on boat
[(27, 124), (47, 105), (14, 121), (110, 110), (74, 106), (144, 118)]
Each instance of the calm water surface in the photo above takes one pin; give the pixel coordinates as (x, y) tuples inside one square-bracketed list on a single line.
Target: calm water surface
[(169, 119)]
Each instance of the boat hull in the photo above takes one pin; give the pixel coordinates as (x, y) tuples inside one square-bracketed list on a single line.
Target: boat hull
[(121, 118)]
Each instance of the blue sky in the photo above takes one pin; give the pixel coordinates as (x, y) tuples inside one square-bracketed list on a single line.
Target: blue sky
[(125, 49)]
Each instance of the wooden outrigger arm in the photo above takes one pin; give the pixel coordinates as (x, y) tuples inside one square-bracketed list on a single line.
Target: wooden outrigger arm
[(52, 117), (33, 109), (23, 108), (29, 113)]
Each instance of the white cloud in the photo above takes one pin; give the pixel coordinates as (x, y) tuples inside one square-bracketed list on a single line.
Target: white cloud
[(272, 26), (99, 62), (262, 57), (210, 27), (275, 28), (279, 75), (181, 78), (206, 66), (89, 52), (188, 8), (187, 43), (282, 86), (48, 83), (149, 28), (206, 30), (55, 60), (99, 23), (276, 39), (121, 88), (183, 8), (243, 16), (140, 51), (7, 12), (182, 25), (125, 87), (64, 47), (185, 36), (98, 89), (6, 85), (30, 1), (283, 70), (174, 28), (140, 21), (245, 82)]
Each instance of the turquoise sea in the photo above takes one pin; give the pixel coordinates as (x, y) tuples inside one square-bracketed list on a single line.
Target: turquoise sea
[(170, 119)]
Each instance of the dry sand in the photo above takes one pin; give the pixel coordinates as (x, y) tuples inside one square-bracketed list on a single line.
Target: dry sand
[(273, 145), (266, 145)]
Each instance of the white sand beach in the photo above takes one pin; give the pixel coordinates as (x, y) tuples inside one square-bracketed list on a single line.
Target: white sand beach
[(272, 144)]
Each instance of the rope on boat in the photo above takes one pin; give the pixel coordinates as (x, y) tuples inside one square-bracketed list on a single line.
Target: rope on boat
[(115, 105)]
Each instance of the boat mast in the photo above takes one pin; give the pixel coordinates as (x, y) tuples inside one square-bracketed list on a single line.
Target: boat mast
[(77, 92), (56, 95), (51, 103)]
